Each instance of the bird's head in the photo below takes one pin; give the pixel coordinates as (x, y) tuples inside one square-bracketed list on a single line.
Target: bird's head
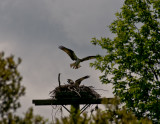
[(70, 81)]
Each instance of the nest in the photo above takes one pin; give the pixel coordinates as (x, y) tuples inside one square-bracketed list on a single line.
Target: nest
[(71, 91)]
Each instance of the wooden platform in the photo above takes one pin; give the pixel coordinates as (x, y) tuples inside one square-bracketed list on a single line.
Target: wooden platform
[(42, 102)]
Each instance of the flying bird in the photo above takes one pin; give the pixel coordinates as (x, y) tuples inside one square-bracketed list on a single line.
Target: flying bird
[(73, 56), (78, 81)]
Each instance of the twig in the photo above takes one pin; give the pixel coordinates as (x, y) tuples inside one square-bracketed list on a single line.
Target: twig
[(76, 91), (101, 89), (137, 29), (59, 79)]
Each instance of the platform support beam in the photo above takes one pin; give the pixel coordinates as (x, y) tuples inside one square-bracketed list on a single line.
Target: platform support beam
[(75, 112), (75, 103)]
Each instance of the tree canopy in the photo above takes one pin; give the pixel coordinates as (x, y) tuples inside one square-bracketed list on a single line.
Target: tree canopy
[(11, 90), (10, 87), (132, 60)]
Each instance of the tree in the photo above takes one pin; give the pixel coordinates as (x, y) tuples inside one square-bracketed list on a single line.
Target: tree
[(132, 57), (10, 92), (29, 118), (10, 87)]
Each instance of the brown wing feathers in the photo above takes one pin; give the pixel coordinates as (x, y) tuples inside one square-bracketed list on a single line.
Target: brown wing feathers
[(74, 57), (88, 58), (78, 81), (69, 52)]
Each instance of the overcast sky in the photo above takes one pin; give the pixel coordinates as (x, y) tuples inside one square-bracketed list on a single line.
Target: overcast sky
[(33, 30)]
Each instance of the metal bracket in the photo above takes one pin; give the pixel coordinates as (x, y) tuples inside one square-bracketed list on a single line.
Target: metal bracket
[(82, 109)]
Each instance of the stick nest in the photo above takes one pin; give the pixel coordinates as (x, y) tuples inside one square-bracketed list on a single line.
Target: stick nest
[(72, 91)]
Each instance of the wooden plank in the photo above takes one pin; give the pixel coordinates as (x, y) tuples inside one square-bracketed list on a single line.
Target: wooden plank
[(42, 102)]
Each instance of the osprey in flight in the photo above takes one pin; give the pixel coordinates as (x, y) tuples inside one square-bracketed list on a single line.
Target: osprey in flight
[(78, 81), (73, 56)]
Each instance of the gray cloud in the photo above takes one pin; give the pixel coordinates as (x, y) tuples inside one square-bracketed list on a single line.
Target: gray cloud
[(33, 30)]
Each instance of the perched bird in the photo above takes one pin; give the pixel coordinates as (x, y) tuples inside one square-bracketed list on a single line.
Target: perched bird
[(70, 81), (73, 56), (78, 81)]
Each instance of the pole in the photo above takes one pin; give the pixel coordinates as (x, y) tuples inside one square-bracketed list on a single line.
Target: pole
[(75, 112)]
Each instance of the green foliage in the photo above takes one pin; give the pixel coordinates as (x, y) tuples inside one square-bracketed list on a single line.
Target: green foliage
[(10, 92), (10, 87), (132, 57), (113, 114), (29, 118)]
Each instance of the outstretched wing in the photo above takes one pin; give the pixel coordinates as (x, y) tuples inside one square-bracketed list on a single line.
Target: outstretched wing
[(69, 52), (88, 58), (78, 81)]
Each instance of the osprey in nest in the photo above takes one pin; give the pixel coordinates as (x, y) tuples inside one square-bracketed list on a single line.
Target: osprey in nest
[(73, 56), (78, 81)]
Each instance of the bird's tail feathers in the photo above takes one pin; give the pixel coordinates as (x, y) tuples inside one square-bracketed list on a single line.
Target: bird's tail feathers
[(75, 66)]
